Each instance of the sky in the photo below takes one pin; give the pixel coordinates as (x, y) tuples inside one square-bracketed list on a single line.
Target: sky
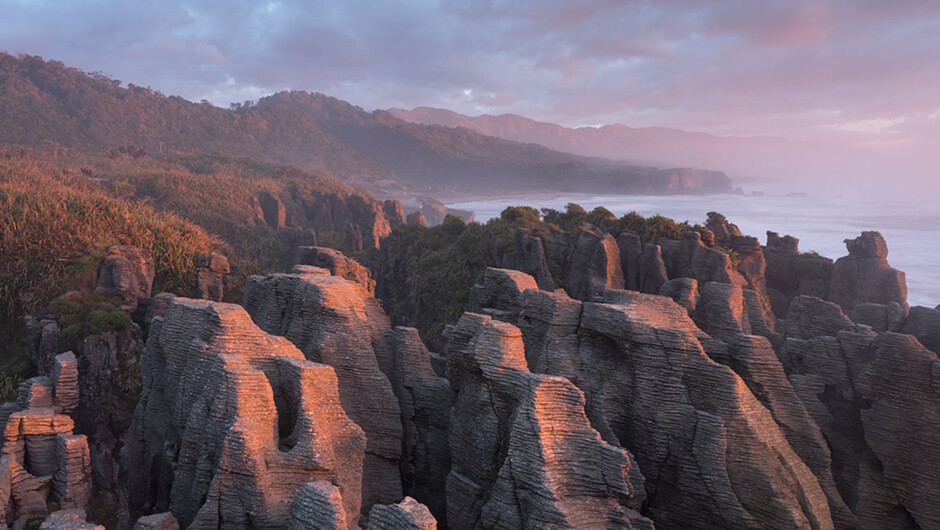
[(847, 72)]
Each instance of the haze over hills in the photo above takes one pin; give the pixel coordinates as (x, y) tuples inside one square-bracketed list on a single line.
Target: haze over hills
[(47, 102), (739, 156)]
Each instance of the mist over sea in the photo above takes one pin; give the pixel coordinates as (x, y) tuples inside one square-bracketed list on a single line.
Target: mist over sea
[(910, 227)]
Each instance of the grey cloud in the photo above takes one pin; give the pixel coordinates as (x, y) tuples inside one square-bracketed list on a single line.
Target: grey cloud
[(735, 66)]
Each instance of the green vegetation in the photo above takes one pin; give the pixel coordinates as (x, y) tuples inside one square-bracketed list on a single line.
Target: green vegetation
[(49, 107), (424, 275), (54, 226)]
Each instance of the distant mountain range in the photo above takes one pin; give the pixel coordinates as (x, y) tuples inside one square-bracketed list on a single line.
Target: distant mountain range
[(755, 156), (45, 103)]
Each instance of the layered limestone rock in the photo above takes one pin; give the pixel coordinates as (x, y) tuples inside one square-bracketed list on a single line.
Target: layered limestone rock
[(528, 256), (924, 323), (594, 265), (409, 514), (501, 294), (751, 262), (425, 413), (790, 274), (355, 221), (875, 398), (126, 271), (338, 265), (690, 258), (69, 519), (272, 210), (723, 232), (524, 454), (41, 461), (157, 521), (232, 422), (209, 284), (336, 322), (865, 276), (651, 387)]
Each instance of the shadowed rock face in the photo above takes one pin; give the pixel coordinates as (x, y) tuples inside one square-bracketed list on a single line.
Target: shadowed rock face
[(233, 421), (528, 256), (875, 397), (690, 258), (524, 454), (924, 323), (865, 276), (790, 274), (595, 266), (425, 412)]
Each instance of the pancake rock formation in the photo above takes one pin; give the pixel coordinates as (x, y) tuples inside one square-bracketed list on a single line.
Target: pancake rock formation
[(233, 422), (42, 463), (524, 454)]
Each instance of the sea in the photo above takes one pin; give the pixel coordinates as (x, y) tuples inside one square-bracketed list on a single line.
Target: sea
[(909, 224)]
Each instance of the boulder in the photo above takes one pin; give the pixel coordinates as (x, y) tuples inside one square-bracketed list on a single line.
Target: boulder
[(157, 521), (338, 265), (68, 519), (318, 506), (501, 294), (924, 323), (209, 285), (683, 291), (128, 272), (409, 514)]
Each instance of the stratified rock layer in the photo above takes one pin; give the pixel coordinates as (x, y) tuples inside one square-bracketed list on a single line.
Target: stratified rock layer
[(865, 276), (409, 514), (336, 322), (524, 454), (126, 271), (233, 421), (711, 453)]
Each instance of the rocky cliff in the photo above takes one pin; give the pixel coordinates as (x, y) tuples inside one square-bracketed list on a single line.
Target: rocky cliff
[(814, 393)]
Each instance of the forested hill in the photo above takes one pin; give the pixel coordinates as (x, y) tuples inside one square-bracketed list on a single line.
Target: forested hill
[(47, 103)]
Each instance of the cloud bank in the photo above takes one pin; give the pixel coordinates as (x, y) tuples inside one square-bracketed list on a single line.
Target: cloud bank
[(859, 72)]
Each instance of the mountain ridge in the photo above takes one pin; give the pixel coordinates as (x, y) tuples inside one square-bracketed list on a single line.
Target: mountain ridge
[(48, 103)]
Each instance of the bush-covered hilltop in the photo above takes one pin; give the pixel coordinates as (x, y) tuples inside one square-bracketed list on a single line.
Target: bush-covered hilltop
[(424, 275), (45, 103)]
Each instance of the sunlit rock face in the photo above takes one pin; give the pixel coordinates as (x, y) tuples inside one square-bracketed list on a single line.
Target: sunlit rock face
[(524, 454), (336, 322), (233, 421)]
